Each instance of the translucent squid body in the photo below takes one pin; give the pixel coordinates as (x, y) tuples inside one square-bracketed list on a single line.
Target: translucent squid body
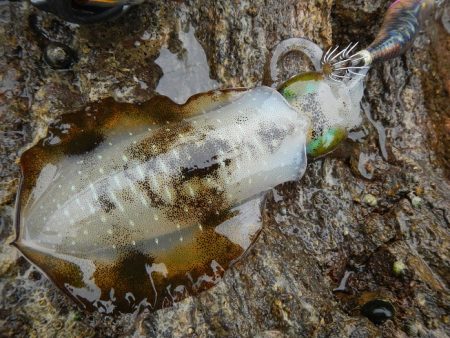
[(129, 206)]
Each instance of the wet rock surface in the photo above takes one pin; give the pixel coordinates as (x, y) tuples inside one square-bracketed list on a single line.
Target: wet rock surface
[(382, 198)]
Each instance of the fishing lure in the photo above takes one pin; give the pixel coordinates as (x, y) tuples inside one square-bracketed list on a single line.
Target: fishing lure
[(125, 206), (400, 27)]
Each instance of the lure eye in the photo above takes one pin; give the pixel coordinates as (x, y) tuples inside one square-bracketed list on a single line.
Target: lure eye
[(82, 11)]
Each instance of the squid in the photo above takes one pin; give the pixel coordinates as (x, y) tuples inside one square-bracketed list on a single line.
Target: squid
[(130, 206)]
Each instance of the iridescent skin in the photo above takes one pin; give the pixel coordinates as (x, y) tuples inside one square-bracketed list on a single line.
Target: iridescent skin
[(400, 26), (327, 142), (329, 107)]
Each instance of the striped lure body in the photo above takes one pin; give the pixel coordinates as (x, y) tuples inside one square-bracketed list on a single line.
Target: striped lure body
[(400, 26), (126, 206)]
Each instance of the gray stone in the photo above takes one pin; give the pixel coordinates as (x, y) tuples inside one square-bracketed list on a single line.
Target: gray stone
[(317, 228)]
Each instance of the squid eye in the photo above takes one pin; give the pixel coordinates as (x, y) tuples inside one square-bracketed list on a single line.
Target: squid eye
[(326, 142), (83, 11)]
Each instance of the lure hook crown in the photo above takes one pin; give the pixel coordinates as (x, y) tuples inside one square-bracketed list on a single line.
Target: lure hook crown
[(343, 65)]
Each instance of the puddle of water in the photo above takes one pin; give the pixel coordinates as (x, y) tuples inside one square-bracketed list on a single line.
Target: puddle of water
[(381, 131), (185, 73), (357, 135), (364, 166), (445, 19), (342, 287)]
